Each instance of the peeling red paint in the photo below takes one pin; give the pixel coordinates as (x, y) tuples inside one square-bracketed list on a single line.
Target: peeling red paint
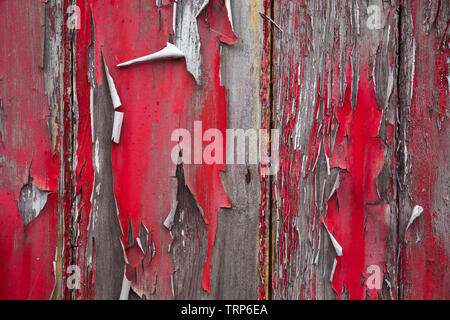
[(357, 191), (157, 97), (351, 164), (26, 271)]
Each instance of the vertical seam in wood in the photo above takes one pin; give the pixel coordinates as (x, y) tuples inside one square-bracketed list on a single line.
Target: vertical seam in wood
[(400, 153)]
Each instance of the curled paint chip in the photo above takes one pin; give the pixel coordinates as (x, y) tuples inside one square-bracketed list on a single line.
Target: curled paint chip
[(126, 285), (124, 253), (169, 52), (142, 240), (230, 15), (336, 245), (333, 270), (152, 249), (417, 211), (112, 89), (91, 109), (168, 223), (31, 202), (202, 8), (117, 126), (335, 187)]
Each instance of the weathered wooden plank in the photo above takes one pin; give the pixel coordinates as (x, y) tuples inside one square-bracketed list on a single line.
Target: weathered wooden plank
[(334, 103), (235, 252), (31, 94), (424, 149), (157, 98), (358, 91)]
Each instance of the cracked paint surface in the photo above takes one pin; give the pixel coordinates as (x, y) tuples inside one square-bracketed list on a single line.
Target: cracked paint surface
[(333, 104), (141, 161), (86, 177)]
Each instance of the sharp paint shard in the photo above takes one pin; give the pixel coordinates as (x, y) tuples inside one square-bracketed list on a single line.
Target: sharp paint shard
[(417, 211), (168, 223), (112, 88), (333, 270), (142, 240), (91, 109), (130, 239), (169, 52), (336, 245), (202, 8), (230, 15), (126, 285)]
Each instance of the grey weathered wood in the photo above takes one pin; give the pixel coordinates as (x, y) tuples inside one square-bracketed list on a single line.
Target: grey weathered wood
[(234, 262), (424, 150), (189, 244), (104, 246)]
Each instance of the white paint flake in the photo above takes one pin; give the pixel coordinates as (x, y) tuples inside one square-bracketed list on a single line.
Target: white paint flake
[(97, 156), (202, 8), (168, 223), (417, 211), (230, 15), (112, 89), (91, 108), (333, 270), (169, 52), (126, 285), (117, 126), (336, 245)]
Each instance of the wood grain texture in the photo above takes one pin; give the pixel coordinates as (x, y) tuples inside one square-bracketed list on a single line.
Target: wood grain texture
[(234, 263), (157, 97), (334, 102), (424, 149), (358, 91), (31, 94)]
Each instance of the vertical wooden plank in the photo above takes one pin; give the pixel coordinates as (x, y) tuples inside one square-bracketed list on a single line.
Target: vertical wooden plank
[(424, 149), (31, 94), (334, 197), (162, 261), (235, 251)]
